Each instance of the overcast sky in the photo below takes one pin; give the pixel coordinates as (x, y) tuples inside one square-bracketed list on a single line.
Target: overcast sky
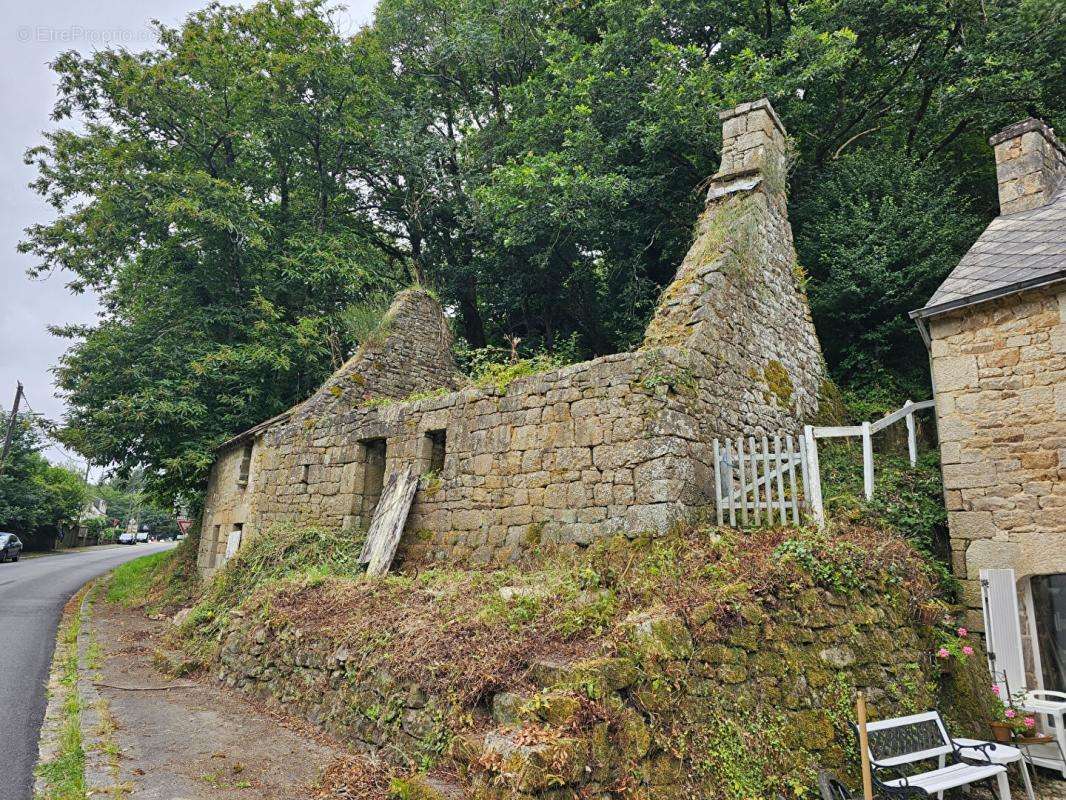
[(32, 34)]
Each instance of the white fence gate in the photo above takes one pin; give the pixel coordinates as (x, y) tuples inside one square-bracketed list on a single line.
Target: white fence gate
[(757, 479), (760, 476)]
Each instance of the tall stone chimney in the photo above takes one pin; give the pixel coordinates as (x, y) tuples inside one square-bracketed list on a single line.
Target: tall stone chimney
[(753, 147), (736, 307), (1030, 165)]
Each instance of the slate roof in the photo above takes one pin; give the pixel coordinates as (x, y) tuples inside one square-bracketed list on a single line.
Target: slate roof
[(1016, 251)]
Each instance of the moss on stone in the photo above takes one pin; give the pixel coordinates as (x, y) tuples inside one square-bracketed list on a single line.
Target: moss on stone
[(778, 383)]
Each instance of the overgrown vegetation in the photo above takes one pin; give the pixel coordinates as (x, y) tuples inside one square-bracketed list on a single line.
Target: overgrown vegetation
[(158, 582), (64, 773), (465, 634), (908, 500)]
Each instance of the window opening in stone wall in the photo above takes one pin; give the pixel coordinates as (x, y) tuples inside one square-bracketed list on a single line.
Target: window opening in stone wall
[(373, 476), (246, 465), (436, 447), (1049, 605)]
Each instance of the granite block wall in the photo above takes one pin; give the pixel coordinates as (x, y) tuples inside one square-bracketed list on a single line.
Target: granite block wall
[(999, 370)]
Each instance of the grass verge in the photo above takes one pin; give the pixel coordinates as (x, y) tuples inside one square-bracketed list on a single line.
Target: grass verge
[(158, 582), (64, 774)]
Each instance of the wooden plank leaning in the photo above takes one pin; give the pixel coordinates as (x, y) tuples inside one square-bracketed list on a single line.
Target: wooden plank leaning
[(390, 516)]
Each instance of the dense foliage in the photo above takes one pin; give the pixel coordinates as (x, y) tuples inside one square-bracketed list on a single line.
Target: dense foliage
[(240, 192), (37, 499)]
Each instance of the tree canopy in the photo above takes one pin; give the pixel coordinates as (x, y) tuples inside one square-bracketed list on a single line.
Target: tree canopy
[(36, 497), (238, 193)]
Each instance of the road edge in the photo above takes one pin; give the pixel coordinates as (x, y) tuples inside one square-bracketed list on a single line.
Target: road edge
[(101, 769)]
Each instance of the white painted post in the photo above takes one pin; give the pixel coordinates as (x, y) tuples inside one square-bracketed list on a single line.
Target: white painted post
[(754, 479), (780, 467), (717, 484), (867, 461), (769, 483), (792, 479), (814, 477), (743, 481), (728, 488), (912, 442)]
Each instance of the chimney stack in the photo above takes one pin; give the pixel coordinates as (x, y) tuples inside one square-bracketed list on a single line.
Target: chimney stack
[(753, 148), (1030, 165)]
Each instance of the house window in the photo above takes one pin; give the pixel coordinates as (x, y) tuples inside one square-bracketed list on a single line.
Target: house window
[(246, 465), (374, 452), (436, 443)]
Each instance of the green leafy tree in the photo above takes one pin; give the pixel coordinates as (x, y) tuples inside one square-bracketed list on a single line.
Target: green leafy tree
[(877, 239), (207, 202), (37, 499)]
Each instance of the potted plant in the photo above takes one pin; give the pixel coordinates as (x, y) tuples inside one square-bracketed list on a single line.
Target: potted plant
[(1012, 725)]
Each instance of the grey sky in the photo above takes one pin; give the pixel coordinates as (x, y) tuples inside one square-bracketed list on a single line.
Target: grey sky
[(32, 34)]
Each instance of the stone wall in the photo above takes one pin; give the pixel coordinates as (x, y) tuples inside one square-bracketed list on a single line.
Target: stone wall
[(783, 675), (999, 371), (622, 443), (1030, 165)]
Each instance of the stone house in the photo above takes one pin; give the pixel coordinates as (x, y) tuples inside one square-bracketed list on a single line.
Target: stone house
[(996, 331), (622, 443)]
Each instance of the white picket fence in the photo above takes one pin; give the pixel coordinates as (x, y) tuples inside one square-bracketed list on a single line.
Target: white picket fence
[(758, 479), (746, 476)]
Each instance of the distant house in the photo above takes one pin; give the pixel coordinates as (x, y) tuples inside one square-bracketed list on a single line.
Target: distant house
[(996, 331)]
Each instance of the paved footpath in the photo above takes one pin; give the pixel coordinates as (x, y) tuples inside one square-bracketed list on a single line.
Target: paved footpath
[(183, 739), (32, 595)]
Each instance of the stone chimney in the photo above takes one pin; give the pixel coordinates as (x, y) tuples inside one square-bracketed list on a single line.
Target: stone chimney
[(1030, 165), (754, 146)]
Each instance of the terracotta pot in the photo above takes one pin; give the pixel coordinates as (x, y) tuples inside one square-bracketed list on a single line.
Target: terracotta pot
[(1002, 732)]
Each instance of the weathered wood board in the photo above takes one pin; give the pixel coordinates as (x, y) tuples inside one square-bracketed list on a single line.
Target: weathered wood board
[(233, 544), (390, 516)]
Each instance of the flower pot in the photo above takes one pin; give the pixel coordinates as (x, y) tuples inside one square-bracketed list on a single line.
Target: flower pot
[(1002, 732)]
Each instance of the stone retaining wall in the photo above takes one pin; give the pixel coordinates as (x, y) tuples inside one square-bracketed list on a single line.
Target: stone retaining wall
[(784, 672)]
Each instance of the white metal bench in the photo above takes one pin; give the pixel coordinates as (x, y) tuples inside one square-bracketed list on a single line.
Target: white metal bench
[(899, 745)]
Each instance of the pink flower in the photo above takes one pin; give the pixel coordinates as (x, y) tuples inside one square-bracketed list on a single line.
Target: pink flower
[(967, 650), (1029, 722), (995, 689), (962, 632), (943, 652), (1010, 713)]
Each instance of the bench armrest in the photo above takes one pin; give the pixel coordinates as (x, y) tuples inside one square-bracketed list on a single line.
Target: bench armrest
[(1046, 694), (904, 791), (983, 748)]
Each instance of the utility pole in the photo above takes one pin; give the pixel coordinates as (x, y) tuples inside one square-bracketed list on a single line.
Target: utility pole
[(11, 426)]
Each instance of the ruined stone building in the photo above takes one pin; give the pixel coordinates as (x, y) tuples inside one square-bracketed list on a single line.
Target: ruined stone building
[(997, 335), (622, 443)]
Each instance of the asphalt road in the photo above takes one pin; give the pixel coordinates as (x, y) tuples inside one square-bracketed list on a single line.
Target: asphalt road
[(32, 595)]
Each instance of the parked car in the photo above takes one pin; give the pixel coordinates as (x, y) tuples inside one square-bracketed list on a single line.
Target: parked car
[(127, 538), (10, 547), (142, 537)]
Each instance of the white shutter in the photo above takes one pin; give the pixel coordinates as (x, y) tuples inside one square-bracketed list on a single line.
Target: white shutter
[(233, 544), (1003, 629)]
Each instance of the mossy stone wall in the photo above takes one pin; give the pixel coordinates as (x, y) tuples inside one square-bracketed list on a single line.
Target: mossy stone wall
[(736, 701)]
